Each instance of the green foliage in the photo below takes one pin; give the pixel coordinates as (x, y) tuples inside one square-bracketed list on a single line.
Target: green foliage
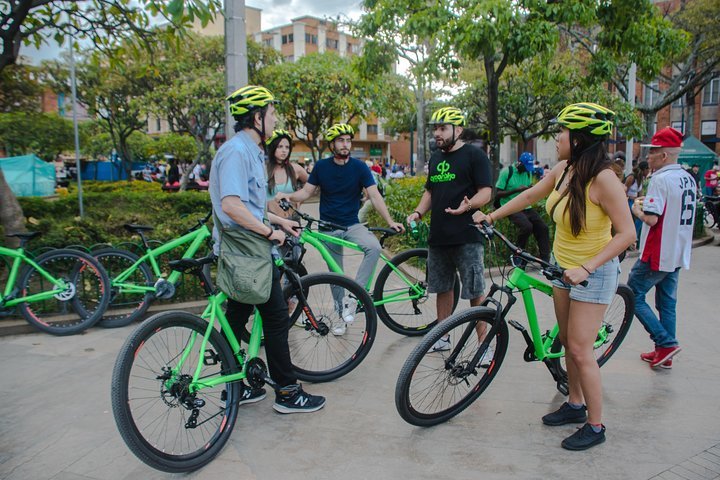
[(259, 57), (44, 134), (109, 205), (19, 90), (182, 147), (316, 91), (111, 25)]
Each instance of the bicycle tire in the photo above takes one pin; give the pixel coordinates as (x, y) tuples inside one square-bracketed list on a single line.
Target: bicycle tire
[(394, 314), (88, 292), (156, 343), (318, 357), (423, 366), (124, 308), (618, 316)]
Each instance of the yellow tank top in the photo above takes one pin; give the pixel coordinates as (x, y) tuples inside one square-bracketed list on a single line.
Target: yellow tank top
[(571, 251)]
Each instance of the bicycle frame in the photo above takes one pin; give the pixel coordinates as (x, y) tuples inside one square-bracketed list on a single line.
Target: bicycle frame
[(519, 280), (19, 257), (317, 239), (212, 312), (195, 238)]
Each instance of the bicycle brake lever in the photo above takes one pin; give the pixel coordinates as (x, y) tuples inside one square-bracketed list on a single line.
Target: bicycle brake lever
[(285, 205)]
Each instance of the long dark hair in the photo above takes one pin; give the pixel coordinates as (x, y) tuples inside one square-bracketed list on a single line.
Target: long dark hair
[(588, 157), (289, 170), (638, 175)]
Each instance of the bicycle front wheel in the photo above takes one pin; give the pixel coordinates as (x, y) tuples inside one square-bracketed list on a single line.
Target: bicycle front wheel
[(125, 306), (163, 422), (615, 326), (401, 297), (73, 310), (438, 381), (346, 326)]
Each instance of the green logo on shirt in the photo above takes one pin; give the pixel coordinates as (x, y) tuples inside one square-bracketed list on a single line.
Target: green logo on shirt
[(443, 175)]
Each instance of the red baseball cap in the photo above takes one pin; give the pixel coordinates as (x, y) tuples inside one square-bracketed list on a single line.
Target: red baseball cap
[(666, 137)]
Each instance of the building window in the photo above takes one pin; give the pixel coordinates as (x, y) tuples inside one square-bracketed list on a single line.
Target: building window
[(284, 39), (290, 38), (372, 129), (708, 128), (652, 92), (268, 42), (331, 43), (679, 126), (710, 92), (157, 125), (310, 38)]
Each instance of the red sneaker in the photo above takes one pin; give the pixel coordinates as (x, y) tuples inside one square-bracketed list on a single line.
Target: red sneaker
[(664, 354), (648, 357), (667, 365)]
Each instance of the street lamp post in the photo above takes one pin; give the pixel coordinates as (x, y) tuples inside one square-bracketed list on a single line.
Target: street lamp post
[(73, 86)]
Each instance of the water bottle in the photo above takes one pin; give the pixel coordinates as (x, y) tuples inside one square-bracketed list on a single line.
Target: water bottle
[(414, 228)]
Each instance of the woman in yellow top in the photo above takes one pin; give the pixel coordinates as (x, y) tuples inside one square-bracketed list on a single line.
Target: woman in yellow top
[(585, 199)]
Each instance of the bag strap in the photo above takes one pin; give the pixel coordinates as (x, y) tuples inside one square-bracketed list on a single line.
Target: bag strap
[(510, 174)]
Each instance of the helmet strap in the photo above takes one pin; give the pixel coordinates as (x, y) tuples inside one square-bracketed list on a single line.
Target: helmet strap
[(575, 155)]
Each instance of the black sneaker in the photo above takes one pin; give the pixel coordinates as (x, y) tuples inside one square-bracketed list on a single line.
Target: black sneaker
[(250, 395), (293, 399), (565, 414), (584, 438)]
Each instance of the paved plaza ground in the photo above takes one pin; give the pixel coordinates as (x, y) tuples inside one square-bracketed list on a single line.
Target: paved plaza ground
[(56, 420)]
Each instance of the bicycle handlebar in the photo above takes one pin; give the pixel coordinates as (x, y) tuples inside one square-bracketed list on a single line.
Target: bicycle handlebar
[(285, 205), (550, 271)]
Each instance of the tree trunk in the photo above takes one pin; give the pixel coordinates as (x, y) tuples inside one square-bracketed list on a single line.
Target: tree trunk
[(126, 158), (493, 117), (689, 126), (649, 118), (11, 214)]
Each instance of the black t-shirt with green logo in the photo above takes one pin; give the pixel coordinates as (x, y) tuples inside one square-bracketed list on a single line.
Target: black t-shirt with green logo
[(451, 177)]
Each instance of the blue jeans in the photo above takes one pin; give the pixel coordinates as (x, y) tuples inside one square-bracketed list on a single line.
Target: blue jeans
[(642, 279)]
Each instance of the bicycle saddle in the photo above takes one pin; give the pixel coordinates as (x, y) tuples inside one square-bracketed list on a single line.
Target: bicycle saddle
[(24, 236), (131, 227)]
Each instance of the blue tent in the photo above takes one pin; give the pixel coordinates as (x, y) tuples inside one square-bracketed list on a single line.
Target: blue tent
[(29, 176)]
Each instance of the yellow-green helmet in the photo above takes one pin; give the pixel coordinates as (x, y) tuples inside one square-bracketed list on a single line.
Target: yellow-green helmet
[(589, 117), (249, 98), (278, 134), (339, 129), (449, 116)]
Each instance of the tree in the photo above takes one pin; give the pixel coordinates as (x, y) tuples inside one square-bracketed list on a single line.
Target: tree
[(190, 94), (106, 23), (182, 147), (634, 32), (260, 56), (19, 89), (407, 30), (44, 134), (115, 96), (314, 92)]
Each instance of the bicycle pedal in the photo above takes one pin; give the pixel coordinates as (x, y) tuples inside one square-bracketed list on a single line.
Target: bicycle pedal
[(210, 358)]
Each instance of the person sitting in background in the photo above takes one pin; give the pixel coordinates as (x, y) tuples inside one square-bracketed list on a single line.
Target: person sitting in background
[(513, 180)]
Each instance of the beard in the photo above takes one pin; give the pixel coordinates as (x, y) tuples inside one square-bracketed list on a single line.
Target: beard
[(342, 154)]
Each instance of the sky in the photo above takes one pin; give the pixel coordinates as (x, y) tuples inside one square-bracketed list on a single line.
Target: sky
[(274, 13)]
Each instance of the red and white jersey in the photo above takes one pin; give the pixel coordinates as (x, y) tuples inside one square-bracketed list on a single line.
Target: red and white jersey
[(671, 196)]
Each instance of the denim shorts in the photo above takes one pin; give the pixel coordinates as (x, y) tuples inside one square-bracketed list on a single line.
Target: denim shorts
[(601, 287), (466, 259)]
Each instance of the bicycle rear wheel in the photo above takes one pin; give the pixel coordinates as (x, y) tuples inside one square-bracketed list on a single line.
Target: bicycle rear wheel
[(615, 325), (161, 421), (125, 307), (434, 386), (336, 347), (393, 294), (77, 308)]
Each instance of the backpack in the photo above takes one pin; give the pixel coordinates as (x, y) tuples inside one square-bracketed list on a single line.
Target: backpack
[(496, 201)]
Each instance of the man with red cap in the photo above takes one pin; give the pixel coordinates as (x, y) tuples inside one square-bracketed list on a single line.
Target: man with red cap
[(668, 213)]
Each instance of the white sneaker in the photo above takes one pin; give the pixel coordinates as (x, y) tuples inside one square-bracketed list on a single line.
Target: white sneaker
[(442, 345), (339, 329), (349, 308), (487, 357)]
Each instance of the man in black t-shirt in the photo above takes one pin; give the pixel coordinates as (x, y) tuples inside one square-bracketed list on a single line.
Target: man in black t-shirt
[(459, 181)]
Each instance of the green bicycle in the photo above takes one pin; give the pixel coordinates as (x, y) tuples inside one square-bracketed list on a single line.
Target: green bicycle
[(61, 292), (400, 294), (136, 281), (435, 386), (175, 386)]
